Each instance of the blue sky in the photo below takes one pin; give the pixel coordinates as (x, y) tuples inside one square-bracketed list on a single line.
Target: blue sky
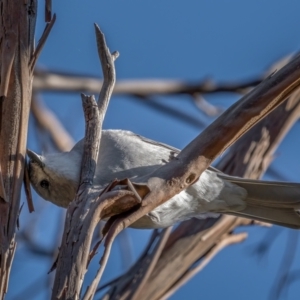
[(190, 40)]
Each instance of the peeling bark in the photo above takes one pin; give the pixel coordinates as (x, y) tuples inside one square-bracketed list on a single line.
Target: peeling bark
[(17, 61), (17, 25)]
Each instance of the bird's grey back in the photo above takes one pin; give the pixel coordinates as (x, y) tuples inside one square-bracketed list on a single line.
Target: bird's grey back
[(124, 154)]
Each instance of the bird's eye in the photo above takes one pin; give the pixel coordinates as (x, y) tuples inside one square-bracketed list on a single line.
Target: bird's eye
[(44, 184)]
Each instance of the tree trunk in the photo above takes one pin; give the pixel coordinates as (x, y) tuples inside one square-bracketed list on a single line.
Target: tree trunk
[(17, 25)]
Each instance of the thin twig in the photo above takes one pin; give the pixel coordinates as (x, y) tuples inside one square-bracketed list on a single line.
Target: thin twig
[(41, 43), (209, 109), (145, 254), (91, 290), (107, 284), (47, 80), (163, 108)]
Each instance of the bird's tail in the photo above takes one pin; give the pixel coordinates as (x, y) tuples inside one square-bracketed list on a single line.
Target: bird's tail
[(268, 201)]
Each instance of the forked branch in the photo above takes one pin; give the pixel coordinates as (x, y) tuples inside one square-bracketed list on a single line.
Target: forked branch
[(89, 206)]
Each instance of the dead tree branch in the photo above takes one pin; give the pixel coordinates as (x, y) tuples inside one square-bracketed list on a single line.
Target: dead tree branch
[(62, 288), (17, 60), (83, 215), (49, 81), (192, 240)]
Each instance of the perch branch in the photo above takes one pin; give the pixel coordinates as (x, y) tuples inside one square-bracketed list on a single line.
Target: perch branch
[(193, 239), (214, 140), (234, 163)]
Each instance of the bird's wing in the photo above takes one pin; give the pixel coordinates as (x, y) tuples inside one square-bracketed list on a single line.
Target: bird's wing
[(156, 143), (173, 149)]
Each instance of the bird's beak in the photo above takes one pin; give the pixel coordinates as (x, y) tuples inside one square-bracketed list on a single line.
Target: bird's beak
[(35, 158)]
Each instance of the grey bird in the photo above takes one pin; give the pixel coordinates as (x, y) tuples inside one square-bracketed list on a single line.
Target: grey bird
[(123, 154)]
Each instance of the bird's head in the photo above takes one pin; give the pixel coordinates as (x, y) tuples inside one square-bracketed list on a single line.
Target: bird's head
[(55, 177)]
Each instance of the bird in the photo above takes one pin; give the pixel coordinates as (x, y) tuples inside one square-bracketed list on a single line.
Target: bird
[(124, 154)]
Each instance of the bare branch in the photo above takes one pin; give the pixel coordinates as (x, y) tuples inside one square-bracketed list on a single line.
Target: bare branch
[(161, 107), (48, 121), (83, 214), (50, 81), (209, 109), (107, 63), (61, 288), (42, 42)]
